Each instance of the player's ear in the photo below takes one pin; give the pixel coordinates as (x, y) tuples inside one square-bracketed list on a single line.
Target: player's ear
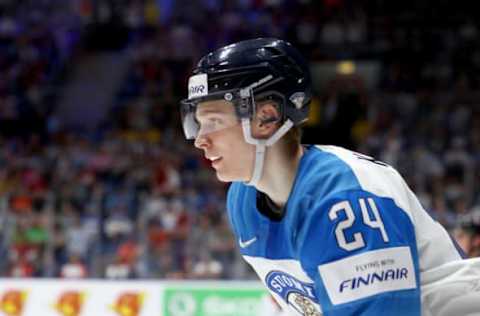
[(266, 120)]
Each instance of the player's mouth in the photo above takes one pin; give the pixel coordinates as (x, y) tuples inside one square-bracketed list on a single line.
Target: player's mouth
[(215, 160)]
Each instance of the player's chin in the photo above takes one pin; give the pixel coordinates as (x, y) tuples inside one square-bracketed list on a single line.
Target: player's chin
[(226, 177)]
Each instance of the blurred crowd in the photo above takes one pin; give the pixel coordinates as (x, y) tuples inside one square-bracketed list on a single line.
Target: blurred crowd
[(135, 200), (37, 41)]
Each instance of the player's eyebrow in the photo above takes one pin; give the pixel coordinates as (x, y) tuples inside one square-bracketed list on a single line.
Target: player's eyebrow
[(212, 111)]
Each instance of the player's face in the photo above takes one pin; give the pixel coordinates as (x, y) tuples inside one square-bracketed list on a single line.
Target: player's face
[(221, 138)]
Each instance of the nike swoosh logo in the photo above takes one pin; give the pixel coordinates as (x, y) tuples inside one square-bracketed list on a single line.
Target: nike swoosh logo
[(245, 244)]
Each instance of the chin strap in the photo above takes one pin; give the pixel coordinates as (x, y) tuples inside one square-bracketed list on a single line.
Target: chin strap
[(261, 145)]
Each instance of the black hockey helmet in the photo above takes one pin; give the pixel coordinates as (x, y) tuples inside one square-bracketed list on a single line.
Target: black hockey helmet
[(249, 71)]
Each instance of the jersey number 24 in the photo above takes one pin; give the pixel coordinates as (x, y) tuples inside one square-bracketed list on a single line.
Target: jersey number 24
[(358, 240)]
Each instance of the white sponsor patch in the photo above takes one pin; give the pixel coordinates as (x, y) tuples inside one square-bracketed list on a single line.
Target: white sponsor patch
[(367, 274), (197, 86)]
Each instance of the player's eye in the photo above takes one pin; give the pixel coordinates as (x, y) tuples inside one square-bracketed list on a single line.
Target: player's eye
[(215, 121)]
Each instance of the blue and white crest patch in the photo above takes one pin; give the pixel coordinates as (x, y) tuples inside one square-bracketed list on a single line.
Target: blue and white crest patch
[(297, 294)]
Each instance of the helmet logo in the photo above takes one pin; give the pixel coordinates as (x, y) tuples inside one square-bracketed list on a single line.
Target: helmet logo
[(297, 99), (197, 86), (197, 89)]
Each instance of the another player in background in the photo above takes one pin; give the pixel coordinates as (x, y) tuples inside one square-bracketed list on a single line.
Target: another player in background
[(467, 232), (329, 231)]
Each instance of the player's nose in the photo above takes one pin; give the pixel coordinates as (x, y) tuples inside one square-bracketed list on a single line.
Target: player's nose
[(202, 142)]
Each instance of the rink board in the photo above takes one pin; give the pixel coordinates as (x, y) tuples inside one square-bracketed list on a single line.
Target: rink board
[(56, 297)]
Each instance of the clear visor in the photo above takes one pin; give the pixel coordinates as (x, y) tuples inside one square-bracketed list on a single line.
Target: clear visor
[(213, 113)]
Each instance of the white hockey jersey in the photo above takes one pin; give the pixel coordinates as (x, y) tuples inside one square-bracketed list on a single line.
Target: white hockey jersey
[(354, 240)]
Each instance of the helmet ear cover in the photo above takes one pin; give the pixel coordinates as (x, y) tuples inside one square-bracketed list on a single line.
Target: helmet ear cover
[(277, 99)]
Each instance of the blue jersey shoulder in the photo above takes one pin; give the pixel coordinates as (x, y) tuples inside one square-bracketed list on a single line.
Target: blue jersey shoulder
[(320, 175)]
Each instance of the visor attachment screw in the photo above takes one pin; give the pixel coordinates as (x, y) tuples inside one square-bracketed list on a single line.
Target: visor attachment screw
[(228, 96)]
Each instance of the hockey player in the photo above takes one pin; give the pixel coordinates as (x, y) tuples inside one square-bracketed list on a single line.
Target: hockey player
[(329, 231)]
